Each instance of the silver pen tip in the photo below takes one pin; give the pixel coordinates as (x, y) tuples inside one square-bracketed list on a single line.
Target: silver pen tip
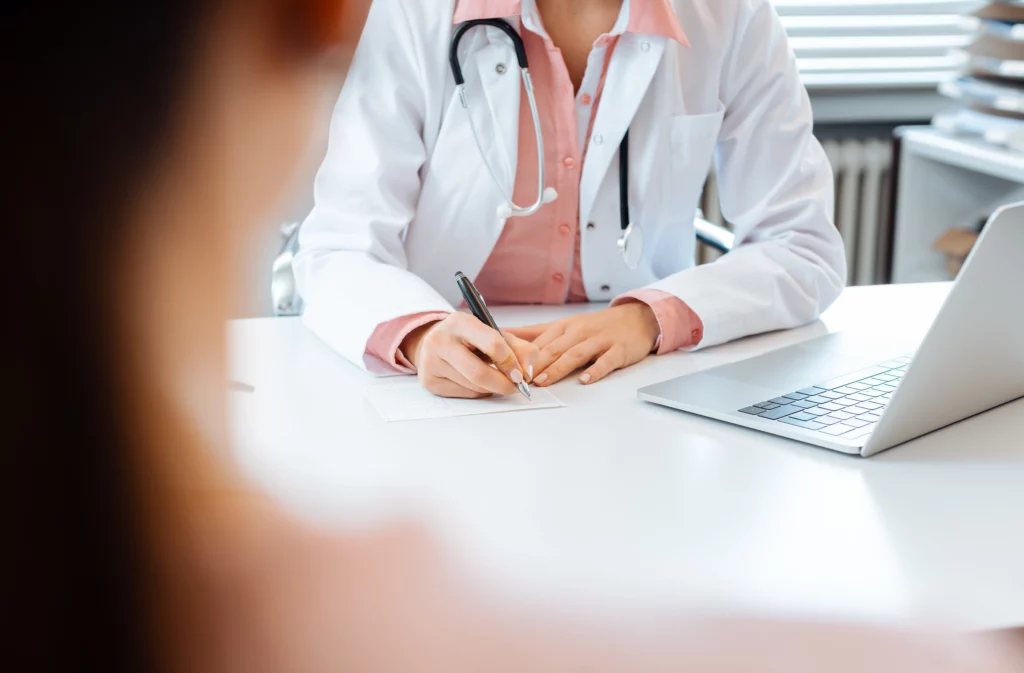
[(524, 389)]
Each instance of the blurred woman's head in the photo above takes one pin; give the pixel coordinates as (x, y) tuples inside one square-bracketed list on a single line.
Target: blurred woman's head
[(143, 139)]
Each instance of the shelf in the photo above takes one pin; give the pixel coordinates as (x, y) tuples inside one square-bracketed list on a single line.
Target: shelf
[(788, 8), (946, 182), (837, 104), (971, 154)]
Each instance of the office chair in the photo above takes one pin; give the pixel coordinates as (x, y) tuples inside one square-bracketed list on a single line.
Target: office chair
[(285, 294), (284, 291), (716, 237)]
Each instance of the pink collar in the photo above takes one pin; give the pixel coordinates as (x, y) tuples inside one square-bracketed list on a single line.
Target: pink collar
[(648, 17)]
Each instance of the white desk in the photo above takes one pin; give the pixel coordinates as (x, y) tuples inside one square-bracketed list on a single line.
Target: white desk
[(611, 495)]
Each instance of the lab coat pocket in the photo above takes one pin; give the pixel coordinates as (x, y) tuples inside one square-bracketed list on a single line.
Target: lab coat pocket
[(693, 145)]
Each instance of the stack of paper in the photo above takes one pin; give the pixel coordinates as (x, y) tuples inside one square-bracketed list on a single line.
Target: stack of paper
[(991, 83)]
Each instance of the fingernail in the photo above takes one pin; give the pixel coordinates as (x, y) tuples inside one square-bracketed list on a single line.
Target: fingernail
[(529, 370), (516, 376), (585, 378), (541, 379)]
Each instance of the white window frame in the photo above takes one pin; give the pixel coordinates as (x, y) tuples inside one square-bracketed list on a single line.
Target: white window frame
[(877, 60)]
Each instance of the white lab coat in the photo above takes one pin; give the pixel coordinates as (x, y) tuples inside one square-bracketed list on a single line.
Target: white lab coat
[(403, 199)]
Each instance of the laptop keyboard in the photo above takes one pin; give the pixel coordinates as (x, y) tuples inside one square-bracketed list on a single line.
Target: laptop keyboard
[(847, 406)]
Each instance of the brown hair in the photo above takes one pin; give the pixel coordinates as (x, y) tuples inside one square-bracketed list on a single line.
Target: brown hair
[(90, 89)]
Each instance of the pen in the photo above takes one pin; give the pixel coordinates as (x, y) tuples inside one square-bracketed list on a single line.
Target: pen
[(478, 306), (241, 387)]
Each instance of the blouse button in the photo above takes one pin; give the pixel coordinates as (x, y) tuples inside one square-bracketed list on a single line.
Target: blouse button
[(569, 162), (585, 99), (558, 278), (564, 229)]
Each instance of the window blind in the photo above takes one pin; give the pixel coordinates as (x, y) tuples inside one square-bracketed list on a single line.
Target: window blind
[(878, 44)]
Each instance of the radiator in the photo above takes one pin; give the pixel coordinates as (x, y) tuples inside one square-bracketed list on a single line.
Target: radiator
[(863, 213)]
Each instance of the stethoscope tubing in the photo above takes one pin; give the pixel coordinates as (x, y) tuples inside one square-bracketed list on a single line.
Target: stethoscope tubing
[(544, 194)]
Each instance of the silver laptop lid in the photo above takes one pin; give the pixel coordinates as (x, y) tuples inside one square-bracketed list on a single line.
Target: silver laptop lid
[(972, 358)]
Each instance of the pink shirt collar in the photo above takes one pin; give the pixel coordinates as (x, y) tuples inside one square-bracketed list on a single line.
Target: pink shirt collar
[(649, 17)]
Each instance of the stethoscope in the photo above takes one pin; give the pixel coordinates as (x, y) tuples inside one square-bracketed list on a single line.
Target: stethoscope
[(630, 242)]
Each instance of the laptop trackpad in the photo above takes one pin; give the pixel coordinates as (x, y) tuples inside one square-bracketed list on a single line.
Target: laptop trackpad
[(811, 362)]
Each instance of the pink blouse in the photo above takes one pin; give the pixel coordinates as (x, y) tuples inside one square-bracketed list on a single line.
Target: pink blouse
[(537, 259)]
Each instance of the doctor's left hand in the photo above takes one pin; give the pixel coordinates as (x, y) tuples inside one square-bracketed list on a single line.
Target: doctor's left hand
[(611, 339)]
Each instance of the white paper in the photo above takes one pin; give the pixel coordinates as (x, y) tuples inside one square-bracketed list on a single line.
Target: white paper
[(411, 402)]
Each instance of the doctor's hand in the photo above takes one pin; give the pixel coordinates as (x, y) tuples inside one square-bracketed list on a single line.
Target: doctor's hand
[(611, 339), (448, 360)]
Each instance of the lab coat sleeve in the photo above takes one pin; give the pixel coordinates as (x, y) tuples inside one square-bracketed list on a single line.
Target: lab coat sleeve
[(776, 189), (352, 270)]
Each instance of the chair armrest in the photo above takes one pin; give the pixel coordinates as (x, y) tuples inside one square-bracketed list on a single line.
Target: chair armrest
[(283, 290), (717, 237)]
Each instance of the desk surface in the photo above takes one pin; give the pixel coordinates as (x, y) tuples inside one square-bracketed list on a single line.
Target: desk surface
[(616, 498)]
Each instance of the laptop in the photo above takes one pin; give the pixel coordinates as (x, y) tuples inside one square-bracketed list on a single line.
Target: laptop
[(864, 394)]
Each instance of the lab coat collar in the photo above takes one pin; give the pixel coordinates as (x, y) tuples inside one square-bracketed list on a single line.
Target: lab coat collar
[(649, 17)]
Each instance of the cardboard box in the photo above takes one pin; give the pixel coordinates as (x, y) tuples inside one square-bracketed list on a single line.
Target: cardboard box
[(956, 244)]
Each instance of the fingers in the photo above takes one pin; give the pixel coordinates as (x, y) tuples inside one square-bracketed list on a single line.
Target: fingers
[(529, 333), (526, 352), (612, 359), (443, 380), (448, 388), (574, 358), (478, 373), (550, 353), (475, 334), (446, 371), (550, 335)]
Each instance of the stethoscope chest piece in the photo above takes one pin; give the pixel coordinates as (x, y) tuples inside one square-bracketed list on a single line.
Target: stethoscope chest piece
[(631, 245)]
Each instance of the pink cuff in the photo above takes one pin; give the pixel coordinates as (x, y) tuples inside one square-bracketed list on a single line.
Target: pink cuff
[(680, 326), (386, 341)]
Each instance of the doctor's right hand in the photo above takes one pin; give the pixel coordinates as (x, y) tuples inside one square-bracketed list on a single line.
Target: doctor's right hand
[(447, 357)]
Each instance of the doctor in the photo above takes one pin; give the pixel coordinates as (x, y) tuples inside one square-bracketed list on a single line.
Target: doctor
[(407, 196)]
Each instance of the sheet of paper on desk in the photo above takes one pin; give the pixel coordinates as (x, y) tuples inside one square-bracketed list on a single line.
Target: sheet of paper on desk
[(410, 402)]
